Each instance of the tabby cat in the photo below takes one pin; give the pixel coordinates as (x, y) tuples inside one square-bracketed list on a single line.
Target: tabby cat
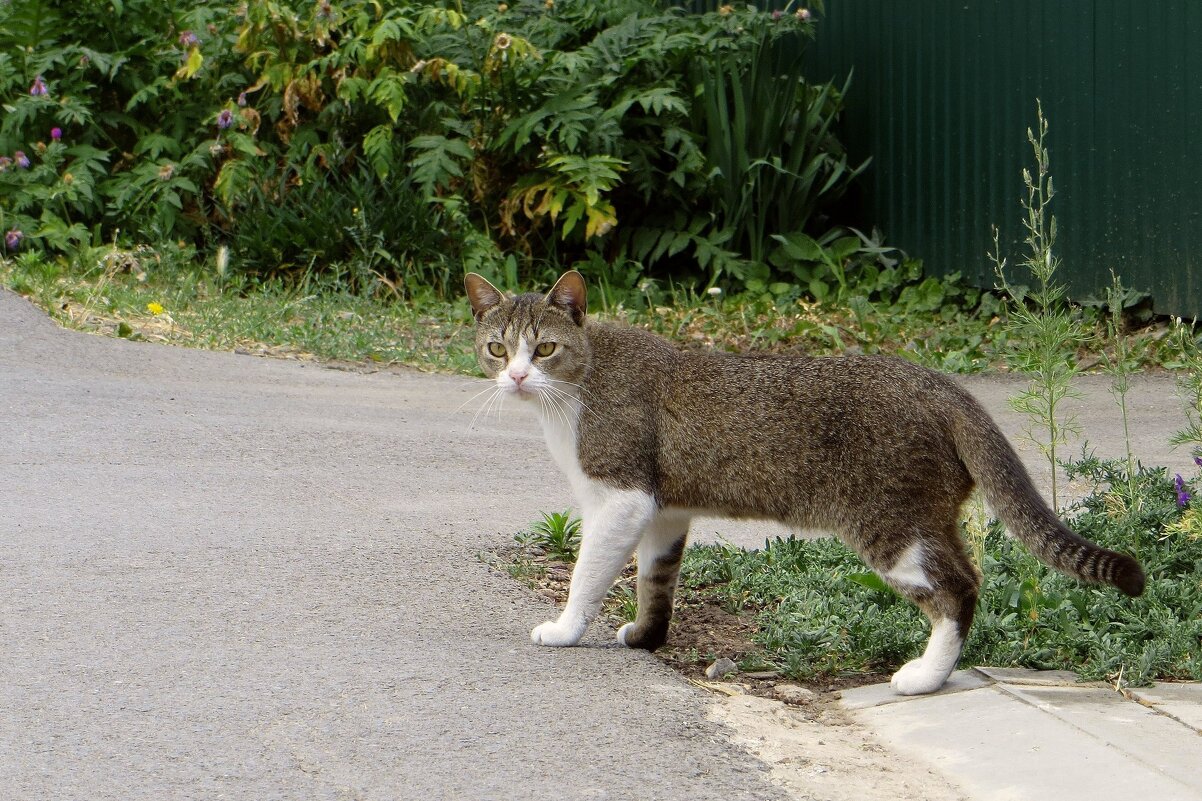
[(876, 450)]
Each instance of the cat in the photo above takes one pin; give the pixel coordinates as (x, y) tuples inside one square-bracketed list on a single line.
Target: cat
[(876, 450)]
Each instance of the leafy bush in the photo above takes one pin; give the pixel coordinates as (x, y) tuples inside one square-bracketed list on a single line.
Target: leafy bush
[(566, 131), (105, 86)]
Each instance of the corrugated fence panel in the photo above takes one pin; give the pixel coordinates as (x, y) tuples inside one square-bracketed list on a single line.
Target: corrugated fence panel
[(944, 92)]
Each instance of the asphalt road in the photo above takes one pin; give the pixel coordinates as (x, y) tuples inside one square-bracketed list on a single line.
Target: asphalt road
[(231, 577)]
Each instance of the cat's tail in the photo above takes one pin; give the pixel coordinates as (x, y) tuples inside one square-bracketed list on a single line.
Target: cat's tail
[(1008, 488)]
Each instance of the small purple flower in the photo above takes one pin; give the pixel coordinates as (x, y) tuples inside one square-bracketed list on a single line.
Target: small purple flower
[(13, 238), (1183, 497), (225, 119), (776, 15), (21, 159), (242, 100), (39, 87), (1198, 461), (188, 39), (56, 134), (5, 161)]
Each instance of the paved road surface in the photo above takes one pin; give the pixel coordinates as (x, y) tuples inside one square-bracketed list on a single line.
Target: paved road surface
[(230, 577)]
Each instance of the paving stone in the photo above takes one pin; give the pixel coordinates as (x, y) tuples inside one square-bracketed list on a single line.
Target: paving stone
[(996, 745), (1180, 701), (878, 694), (1141, 733), (1025, 676)]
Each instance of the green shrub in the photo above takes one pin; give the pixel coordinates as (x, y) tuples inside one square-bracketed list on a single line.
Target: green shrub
[(563, 131), (131, 87)]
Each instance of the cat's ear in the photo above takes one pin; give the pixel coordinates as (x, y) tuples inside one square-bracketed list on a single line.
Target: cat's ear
[(570, 295), (482, 294)]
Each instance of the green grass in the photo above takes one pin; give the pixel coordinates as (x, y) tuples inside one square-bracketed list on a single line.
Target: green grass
[(941, 324), (116, 291)]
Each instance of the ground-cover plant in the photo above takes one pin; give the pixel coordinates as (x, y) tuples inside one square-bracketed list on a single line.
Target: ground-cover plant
[(368, 318)]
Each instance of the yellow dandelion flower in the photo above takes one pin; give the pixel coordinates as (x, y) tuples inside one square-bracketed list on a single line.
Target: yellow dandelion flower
[(155, 308)]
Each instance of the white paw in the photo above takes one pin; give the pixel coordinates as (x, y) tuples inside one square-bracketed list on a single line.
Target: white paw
[(914, 679), (556, 634), (622, 633)]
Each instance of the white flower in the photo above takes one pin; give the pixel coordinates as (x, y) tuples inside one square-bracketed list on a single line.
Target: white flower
[(714, 291)]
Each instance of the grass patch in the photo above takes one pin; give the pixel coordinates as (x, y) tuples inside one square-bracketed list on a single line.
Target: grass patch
[(141, 295), (808, 610), (160, 295)]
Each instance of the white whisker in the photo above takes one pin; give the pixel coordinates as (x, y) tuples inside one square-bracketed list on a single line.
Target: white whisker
[(568, 396), (491, 386), (569, 383), (556, 405), (484, 406)]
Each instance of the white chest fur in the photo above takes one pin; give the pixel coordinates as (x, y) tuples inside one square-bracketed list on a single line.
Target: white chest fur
[(559, 432)]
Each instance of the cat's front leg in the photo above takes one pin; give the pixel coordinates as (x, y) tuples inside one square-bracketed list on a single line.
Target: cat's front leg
[(612, 527)]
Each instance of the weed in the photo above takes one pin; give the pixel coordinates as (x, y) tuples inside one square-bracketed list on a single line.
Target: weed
[(557, 535), (1119, 362), (1188, 367), (1046, 333)]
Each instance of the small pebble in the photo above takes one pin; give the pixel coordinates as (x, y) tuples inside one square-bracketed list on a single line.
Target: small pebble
[(793, 693), (720, 668)]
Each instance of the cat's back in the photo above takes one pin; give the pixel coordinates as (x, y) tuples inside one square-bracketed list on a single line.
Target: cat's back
[(855, 382), (628, 359)]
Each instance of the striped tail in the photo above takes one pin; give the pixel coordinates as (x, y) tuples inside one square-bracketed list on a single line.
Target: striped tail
[(1008, 488)]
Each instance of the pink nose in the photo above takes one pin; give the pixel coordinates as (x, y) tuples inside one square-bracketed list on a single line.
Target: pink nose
[(518, 378)]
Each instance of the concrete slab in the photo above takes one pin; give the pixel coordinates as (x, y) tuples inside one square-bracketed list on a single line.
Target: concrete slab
[(1000, 748), (1040, 678), (1139, 733), (879, 694), (1182, 702)]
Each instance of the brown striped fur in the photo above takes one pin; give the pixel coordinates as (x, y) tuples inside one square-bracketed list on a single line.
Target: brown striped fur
[(877, 450)]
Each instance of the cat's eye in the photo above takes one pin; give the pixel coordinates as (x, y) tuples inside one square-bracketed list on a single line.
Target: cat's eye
[(544, 349), (496, 350)]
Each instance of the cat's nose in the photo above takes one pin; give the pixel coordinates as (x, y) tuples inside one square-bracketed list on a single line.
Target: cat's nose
[(518, 378)]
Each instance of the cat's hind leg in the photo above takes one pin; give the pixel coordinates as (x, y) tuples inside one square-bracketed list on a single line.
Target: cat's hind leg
[(613, 522), (938, 577), (660, 552)]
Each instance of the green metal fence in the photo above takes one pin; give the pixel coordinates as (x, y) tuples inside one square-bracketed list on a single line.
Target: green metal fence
[(943, 93)]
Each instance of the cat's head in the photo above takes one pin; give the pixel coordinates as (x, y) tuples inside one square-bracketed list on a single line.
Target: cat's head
[(527, 343)]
